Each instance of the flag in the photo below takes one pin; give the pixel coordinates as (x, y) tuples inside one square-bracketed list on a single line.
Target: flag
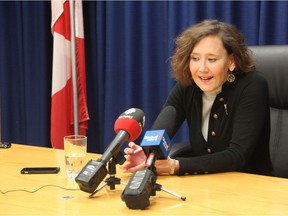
[(62, 114)]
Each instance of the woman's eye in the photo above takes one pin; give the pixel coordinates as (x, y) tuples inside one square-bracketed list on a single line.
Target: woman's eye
[(194, 58), (212, 59)]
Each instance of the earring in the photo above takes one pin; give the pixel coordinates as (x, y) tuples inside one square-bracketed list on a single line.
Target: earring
[(230, 77)]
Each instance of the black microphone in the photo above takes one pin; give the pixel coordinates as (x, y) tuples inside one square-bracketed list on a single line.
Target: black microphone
[(158, 138), (166, 120), (128, 127), (156, 144)]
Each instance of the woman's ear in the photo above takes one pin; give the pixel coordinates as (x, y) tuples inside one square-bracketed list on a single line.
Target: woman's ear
[(232, 64)]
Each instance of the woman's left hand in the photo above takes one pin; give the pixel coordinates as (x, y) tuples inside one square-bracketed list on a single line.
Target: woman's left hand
[(136, 158)]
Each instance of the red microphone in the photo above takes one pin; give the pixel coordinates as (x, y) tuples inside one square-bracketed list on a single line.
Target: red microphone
[(132, 121), (128, 126)]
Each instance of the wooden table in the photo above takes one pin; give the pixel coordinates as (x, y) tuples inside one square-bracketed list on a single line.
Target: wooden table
[(213, 194)]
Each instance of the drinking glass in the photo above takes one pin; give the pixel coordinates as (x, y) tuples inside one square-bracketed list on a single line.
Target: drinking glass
[(75, 147)]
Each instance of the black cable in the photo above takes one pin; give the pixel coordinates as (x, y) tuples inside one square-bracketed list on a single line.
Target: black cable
[(23, 190)]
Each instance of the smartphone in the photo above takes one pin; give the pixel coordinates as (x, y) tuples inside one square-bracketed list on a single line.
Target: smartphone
[(40, 170)]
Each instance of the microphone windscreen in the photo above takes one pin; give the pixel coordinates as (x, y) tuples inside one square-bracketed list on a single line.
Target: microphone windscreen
[(166, 121), (132, 121), (131, 126)]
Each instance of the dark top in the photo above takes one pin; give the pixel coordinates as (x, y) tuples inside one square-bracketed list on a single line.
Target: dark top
[(238, 136)]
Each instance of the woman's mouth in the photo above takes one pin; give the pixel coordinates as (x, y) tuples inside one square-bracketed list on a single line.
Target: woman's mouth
[(205, 78)]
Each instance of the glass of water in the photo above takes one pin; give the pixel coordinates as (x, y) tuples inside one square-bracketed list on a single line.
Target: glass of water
[(75, 147)]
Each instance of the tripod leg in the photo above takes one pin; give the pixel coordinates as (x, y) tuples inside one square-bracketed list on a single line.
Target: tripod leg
[(123, 183), (92, 194), (172, 193)]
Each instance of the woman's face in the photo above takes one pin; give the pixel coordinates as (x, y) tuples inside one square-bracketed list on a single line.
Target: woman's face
[(209, 63)]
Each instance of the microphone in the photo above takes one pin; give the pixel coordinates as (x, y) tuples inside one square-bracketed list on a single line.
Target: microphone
[(166, 120), (158, 138), (128, 127), (156, 141), (156, 144)]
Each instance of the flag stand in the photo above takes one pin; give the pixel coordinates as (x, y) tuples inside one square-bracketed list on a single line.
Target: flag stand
[(74, 68), (2, 144)]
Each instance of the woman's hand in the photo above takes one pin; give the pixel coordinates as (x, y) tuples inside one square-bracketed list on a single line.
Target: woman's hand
[(135, 156), (136, 159)]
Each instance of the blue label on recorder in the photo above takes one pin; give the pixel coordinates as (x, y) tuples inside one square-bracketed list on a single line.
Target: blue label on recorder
[(159, 140)]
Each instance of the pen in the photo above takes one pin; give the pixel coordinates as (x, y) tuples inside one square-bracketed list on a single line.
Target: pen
[(137, 150)]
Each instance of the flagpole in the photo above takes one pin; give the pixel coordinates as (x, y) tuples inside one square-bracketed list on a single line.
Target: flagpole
[(2, 144), (74, 68)]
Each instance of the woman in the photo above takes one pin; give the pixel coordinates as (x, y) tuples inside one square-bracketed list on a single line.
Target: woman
[(224, 101)]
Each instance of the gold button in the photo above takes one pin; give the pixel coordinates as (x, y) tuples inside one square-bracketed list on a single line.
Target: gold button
[(215, 116), (213, 133), (221, 99), (209, 150)]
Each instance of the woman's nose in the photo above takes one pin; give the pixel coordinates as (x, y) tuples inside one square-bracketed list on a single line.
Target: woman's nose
[(203, 66)]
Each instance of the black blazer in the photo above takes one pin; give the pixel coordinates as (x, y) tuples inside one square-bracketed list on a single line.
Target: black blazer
[(239, 127)]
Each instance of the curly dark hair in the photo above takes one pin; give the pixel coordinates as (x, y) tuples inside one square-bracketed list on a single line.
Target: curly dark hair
[(232, 39)]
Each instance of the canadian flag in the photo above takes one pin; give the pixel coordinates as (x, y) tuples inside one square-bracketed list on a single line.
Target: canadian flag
[(62, 112)]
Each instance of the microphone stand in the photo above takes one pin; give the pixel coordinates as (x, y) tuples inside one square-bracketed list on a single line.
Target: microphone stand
[(158, 187), (143, 184), (112, 180)]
